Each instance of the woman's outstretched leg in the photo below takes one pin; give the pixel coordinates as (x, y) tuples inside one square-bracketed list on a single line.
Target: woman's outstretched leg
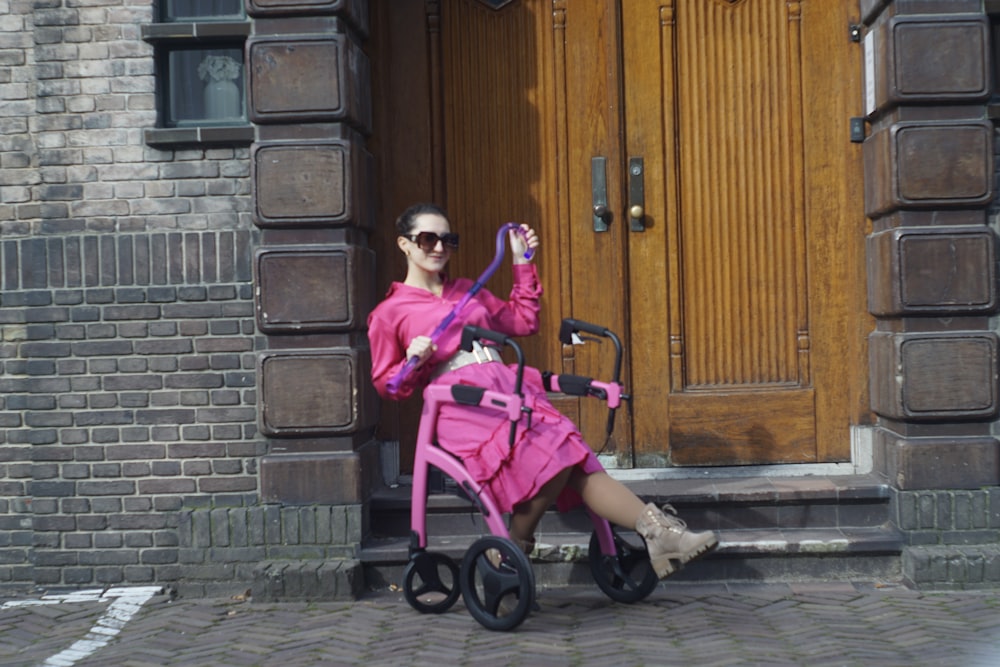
[(607, 497), (667, 537)]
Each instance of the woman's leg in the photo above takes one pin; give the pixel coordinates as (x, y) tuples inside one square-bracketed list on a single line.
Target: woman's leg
[(667, 538), (524, 520), (607, 497)]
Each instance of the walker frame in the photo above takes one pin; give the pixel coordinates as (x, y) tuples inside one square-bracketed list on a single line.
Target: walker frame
[(495, 578)]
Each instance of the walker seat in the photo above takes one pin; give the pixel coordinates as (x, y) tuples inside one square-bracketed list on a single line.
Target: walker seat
[(495, 578)]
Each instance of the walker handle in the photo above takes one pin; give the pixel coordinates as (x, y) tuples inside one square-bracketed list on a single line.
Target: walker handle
[(570, 326), (472, 333)]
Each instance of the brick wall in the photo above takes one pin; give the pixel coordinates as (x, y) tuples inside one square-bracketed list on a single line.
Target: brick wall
[(947, 517), (953, 537), (127, 385), (121, 404), (79, 92)]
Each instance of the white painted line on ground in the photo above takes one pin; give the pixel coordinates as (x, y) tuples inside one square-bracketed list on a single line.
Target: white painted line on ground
[(125, 603), (92, 595)]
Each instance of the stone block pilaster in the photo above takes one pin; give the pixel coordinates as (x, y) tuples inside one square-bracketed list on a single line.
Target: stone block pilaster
[(929, 169), (309, 94)]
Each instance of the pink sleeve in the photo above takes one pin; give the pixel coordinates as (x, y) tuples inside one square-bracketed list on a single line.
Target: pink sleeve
[(518, 316), (398, 319), (388, 355)]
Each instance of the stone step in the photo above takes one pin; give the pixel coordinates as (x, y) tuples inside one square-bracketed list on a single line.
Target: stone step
[(560, 559), (742, 556), (770, 529), (747, 503)]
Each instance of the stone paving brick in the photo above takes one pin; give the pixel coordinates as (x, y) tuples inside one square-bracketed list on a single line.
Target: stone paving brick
[(679, 624)]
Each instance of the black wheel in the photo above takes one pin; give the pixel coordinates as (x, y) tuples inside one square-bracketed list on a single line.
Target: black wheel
[(430, 582), (498, 584), (627, 576)]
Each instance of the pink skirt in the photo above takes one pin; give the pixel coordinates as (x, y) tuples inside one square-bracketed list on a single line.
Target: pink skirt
[(480, 438)]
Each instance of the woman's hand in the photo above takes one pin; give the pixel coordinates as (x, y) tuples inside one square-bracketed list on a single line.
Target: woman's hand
[(520, 244), (422, 348)]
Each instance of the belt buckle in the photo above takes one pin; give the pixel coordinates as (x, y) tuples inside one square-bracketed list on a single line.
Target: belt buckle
[(476, 349)]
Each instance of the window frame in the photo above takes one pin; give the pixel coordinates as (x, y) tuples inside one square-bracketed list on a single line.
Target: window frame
[(164, 17), (167, 36)]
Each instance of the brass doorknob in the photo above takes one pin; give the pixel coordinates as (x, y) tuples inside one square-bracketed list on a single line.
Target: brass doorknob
[(636, 211)]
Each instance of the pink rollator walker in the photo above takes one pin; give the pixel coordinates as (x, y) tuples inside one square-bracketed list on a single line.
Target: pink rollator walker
[(495, 578)]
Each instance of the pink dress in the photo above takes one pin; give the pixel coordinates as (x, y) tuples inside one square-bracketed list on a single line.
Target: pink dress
[(480, 437)]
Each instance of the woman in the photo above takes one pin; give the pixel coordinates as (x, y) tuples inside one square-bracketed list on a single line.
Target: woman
[(549, 462)]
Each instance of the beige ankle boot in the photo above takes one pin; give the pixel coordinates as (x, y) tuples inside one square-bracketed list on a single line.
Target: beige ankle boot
[(668, 539)]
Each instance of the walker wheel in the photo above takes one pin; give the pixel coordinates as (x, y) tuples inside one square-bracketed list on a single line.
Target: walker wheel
[(430, 582), (498, 584), (627, 576)]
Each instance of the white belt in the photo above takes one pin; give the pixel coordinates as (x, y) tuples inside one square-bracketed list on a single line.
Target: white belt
[(481, 354)]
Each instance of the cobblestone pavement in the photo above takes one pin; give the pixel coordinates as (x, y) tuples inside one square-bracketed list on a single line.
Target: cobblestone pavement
[(679, 624)]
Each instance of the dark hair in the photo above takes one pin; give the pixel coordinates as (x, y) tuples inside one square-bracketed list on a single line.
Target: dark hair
[(406, 219)]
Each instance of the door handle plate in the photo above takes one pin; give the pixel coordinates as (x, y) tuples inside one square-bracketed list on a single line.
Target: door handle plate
[(636, 195), (599, 193)]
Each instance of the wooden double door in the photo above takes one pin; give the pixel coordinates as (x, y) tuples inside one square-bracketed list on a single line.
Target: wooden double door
[(689, 167)]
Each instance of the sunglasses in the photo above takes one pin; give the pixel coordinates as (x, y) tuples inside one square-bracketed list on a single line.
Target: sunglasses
[(427, 241)]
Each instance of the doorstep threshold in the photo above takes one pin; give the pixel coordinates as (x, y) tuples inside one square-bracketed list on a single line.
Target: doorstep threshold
[(733, 472), (814, 471)]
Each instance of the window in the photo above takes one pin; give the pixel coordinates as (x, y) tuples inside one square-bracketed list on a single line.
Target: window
[(201, 85), (201, 10)]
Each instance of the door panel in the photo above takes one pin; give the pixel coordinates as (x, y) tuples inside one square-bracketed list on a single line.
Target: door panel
[(739, 389), (745, 206), (589, 71)]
